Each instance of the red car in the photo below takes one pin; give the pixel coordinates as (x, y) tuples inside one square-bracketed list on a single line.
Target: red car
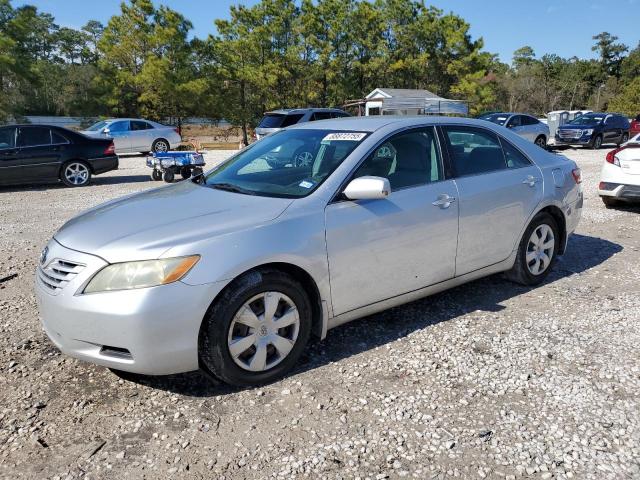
[(634, 129)]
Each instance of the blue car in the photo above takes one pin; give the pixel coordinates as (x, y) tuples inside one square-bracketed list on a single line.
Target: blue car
[(593, 130)]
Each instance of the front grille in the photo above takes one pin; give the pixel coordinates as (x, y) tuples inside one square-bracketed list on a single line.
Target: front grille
[(569, 133), (58, 273)]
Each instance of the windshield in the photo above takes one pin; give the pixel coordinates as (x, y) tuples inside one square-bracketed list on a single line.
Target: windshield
[(289, 163), (499, 118), (97, 126), (587, 119)]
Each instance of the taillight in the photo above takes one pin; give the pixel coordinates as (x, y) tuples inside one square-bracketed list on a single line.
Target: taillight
[(177, 130), (110, 150), (577, 175), (611, 156)]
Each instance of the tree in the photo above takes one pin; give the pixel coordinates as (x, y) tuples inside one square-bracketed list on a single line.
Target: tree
[(610, 52)]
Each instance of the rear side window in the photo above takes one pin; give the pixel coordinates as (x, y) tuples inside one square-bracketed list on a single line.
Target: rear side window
[(34, 136), (271, 121), (7, 137), (57, 138), (474, 151), (292, 119), (527, 120), (140, 125), (513, 156), (515, 121), (321, 116)]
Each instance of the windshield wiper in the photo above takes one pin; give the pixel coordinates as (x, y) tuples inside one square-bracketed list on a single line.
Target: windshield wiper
[(229, 187)]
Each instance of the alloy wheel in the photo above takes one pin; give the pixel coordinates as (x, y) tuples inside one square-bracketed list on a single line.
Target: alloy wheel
[(540, 249), (161, 146), (263, 331), (76, 173), (303, 159)]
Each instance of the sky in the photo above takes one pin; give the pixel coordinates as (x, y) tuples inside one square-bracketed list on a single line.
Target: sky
[(563, 27)]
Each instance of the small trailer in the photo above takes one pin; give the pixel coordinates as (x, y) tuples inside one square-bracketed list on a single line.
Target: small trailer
[(166, 165)]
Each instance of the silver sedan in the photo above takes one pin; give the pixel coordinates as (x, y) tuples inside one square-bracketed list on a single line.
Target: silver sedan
[(251, 258), (526, 126), (133, 135)]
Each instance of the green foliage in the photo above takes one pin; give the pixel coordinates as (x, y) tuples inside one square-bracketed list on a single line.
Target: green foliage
[(285, 53), (628, 100)]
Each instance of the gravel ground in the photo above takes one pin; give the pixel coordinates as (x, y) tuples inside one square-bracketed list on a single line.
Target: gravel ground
[(488, 380)]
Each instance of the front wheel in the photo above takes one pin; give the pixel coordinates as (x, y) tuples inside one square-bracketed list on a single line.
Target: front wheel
[(541, 141), (75, 174), (156, 175), (537, 251), (597, 142), (168, 175), (185, 173), (256, 331)]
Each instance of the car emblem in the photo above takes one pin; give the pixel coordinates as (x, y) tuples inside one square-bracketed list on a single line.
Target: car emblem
[(43, 255)]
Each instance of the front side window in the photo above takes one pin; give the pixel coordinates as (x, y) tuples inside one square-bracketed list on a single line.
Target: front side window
[(527, 120), (289, 163), (7, 138), (474, 151), (119, 126), (34, 136), (515, 121), (408, 159)]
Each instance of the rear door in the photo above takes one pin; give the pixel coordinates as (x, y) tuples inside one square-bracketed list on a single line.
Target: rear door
[(142, 135), (612, 132), (379, 249), (499, 190), (120, 131), (39, 157), (10, 171)]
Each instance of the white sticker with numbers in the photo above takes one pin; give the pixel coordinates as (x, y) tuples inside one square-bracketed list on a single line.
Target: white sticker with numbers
[(345, 136)]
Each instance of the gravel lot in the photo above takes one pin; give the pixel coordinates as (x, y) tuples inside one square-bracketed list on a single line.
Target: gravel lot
[(489, 380)]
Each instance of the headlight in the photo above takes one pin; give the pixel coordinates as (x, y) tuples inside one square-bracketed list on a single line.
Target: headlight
[(587, 132), (146, 273)]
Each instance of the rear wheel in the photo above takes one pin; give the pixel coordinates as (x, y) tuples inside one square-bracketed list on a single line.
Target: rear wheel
[(597, 142), (168, 175), (625, 138), (537, 251), (160, 145), (75, 174), (541, 141), (256, 331)]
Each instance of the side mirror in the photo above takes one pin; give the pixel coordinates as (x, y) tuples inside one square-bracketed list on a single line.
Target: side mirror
[(367, 188), (106, 131)]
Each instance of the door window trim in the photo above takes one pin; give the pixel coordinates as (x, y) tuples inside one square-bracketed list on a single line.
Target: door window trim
[(337, 196), (40, 144)]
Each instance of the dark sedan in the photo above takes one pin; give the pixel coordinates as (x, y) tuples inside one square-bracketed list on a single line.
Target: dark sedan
[(42, 153)]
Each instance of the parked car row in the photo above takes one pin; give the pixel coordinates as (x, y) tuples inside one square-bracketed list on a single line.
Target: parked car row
[(526, 126)]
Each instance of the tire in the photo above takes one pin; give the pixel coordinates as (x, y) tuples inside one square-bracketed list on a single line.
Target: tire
[(185, 173), (303, 157), (156, 175), (168, 175), (625, 138), (75, 173), (220, 329), (523, 271), (196, 171), (541, 141), (610, 202), (597, 142), (160, 145)]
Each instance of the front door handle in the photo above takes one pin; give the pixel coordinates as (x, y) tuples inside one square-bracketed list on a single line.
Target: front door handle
[(444, 201), (531, 181)]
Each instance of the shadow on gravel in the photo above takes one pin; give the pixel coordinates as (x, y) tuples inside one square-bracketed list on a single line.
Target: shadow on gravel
[(487, 294), (97, 180), (120, 179)]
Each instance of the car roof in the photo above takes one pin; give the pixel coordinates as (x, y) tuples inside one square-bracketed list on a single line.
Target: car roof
[(285, 111), (373, 123)]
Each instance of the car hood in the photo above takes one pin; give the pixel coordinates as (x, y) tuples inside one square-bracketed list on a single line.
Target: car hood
[(145, 225)]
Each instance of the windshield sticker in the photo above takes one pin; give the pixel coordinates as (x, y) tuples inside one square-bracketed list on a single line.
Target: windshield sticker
[(348, 136), (305, 184)]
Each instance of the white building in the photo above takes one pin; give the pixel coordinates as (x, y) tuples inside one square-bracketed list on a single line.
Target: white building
[(403, 101)]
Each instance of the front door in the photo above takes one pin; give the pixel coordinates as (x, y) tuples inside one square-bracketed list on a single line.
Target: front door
[(141, 136), (499, 188), (9, 162), (379, 249)]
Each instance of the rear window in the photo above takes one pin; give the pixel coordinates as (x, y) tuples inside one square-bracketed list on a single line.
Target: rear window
[(280, 120)]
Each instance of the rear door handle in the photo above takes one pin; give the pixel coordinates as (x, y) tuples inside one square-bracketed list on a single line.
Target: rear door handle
[(444, 201), (531, 181)]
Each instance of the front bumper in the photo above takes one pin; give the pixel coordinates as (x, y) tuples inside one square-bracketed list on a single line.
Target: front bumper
[(152, 331), (585, 140)]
